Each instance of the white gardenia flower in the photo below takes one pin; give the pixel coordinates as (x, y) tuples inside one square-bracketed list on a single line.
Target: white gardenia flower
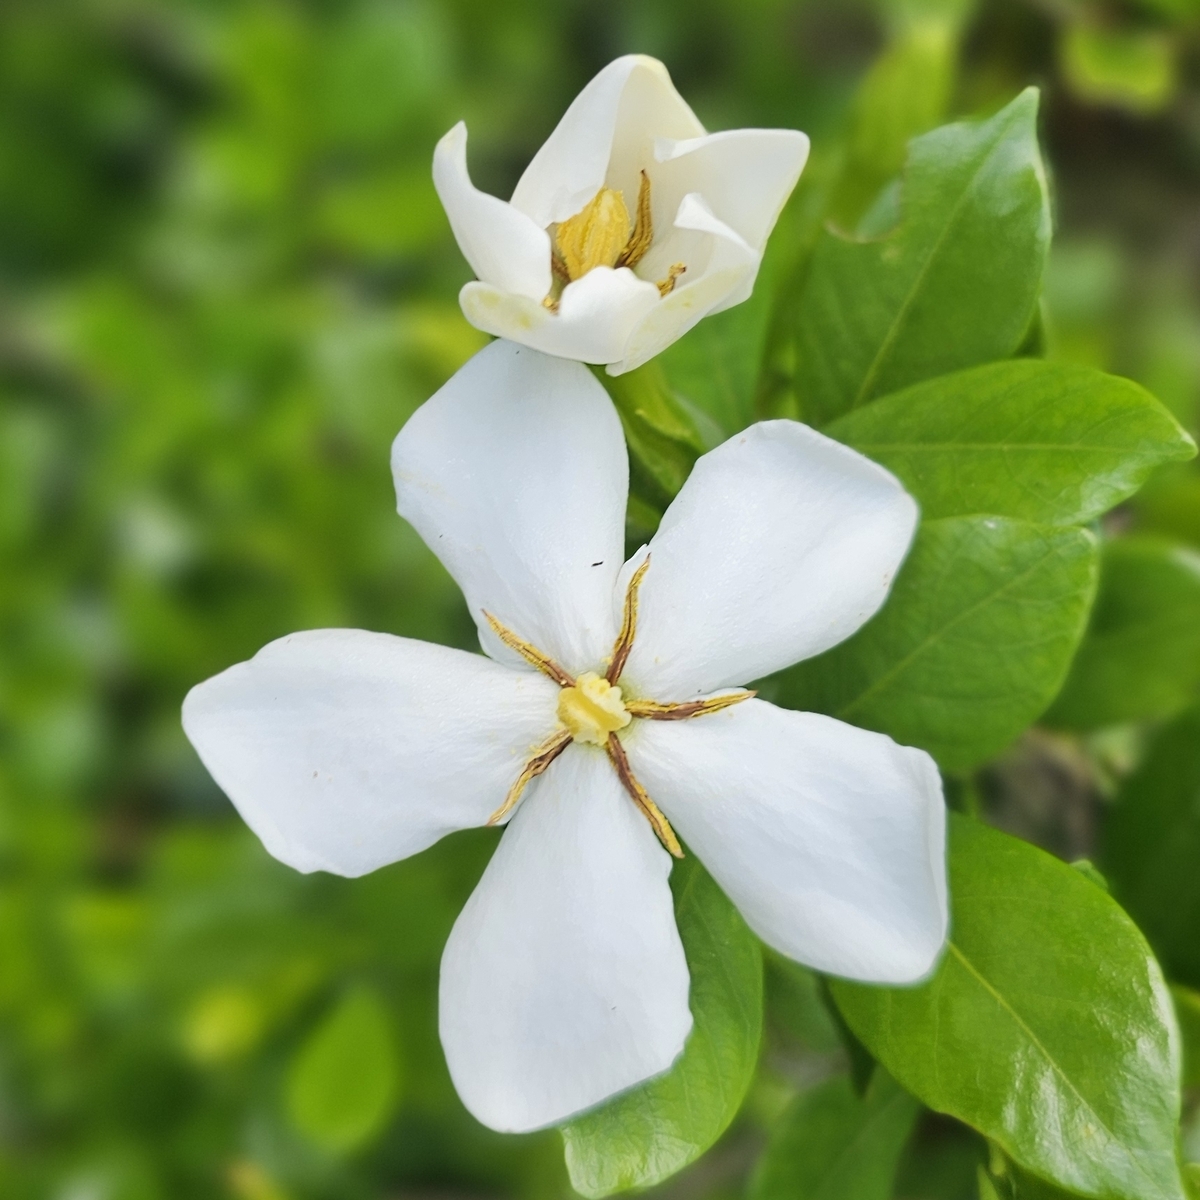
[(607, 718), (630, 224)]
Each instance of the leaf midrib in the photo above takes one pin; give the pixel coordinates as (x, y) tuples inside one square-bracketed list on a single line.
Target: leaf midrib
[(888, 676), (1020, 1022), (894, 329)]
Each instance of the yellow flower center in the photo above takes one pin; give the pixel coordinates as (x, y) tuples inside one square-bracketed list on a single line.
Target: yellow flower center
[(599, 235), (596, 235), (592, 709)]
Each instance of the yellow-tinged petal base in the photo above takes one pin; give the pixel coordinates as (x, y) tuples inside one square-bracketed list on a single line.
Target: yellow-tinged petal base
[(596, 235), (592, 709)]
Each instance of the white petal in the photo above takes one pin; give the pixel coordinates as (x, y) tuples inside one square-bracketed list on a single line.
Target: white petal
[(781, 544), (721, 269), (345, 750), (504, 247), (515, 474), (564, 980), (597, 315), (744, 175), (829, 839), (606, 135)]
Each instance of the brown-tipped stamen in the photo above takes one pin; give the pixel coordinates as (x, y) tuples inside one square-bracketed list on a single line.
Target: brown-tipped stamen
[(558, 267), (543, 756), (624, 642), (650, 810), (643, 229), (529, 652), (651, 710), (667, 286)]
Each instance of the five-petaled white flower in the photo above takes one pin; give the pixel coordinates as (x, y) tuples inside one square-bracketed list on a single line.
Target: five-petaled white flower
[(630, 224), (609, 710)]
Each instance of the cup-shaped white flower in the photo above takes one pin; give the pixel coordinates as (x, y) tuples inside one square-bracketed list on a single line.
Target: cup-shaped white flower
[(630, 224), (608, 715)]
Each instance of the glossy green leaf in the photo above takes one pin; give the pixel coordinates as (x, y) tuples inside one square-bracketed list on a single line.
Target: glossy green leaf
[(1037, 440), (970, 647), (1047, 1025), (1151, 851), (1006, 1181), (1140, 656), (656, 1129), (832, 1144), (953, 284), (342, 1083)]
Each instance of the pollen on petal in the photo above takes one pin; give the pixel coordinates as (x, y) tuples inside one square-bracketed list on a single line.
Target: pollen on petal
[(592, 709)]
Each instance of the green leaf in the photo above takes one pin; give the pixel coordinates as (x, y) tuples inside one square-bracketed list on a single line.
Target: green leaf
[(954, 284), (1151, 847), (1037, 440), (972, 644), (656, 1129), (1006, 1181), (832, 1144), (342, 1083), (716, 365), (1140, 656), (796, 1003), (663, 436), (1047, 1025), (724, 368)]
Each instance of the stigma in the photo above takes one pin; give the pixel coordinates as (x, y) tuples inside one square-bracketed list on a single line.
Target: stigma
[(592, 709)]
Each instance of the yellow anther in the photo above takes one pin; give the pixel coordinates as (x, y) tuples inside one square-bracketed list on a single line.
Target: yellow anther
[(541, 758), (529, 652), (592, 709), (667, 286), (652, 710), (595, 236), (624, 643), (640, 797), (643, 229)]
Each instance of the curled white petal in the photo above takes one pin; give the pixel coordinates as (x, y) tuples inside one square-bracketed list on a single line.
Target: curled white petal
[(597, 317), (713, 198), (744, 175), (829, 839), (515, 475), (564, 979), (504, 247), (722, 270), (345, 750), (605, 136)]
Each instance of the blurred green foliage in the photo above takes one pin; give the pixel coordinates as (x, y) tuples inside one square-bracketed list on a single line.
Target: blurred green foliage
[(225, 282)]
